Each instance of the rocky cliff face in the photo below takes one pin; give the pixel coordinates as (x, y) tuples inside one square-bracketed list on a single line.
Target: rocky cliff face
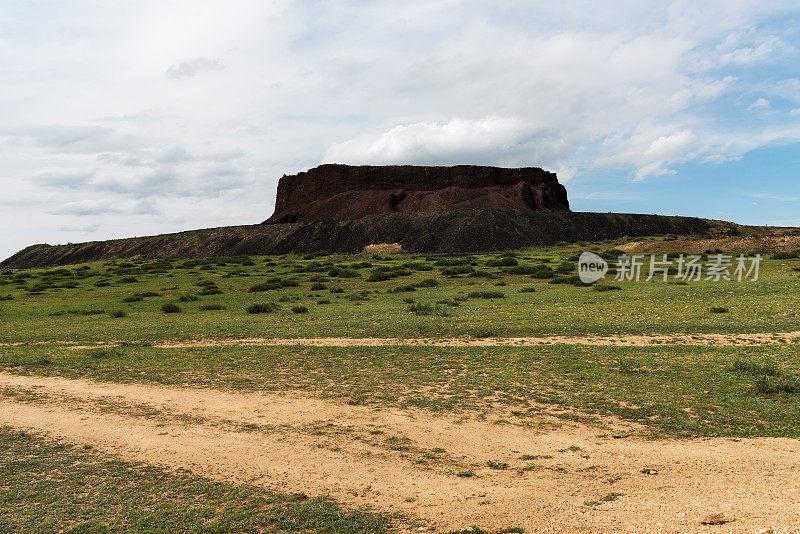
[(344, 192)]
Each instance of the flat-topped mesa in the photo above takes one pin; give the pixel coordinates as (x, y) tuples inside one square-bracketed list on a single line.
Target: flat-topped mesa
[(344, 192)]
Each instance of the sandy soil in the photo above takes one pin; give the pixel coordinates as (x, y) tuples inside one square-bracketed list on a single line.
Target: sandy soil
[(298, 443), (744, 340), (635, 341)]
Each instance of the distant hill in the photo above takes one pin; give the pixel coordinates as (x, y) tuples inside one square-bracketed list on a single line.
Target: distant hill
[(455, 231)]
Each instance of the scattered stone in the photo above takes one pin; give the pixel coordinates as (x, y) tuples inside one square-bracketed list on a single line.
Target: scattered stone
[(714, 519), (765, 531)]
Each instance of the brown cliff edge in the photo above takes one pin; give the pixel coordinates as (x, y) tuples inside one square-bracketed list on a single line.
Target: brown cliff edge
[(344, 192)]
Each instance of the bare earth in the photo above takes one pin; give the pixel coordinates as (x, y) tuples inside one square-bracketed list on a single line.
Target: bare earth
[(744, 340), (298, 443)]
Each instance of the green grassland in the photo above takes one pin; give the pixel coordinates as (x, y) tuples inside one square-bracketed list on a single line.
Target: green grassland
[(672, 390), (52, 487), (369, 296), (669, 390), (677, 390)]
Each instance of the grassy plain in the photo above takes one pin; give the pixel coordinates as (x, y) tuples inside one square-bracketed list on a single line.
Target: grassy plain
[(670, 390), (365, 296)]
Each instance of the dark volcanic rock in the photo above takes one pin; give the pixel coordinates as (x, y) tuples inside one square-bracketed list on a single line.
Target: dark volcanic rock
[(344, 192), (455, 231)]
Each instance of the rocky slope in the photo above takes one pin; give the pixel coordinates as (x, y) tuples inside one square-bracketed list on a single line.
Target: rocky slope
[(455, 231)]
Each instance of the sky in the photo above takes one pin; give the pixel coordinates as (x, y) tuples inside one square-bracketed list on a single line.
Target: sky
[(134, 118)]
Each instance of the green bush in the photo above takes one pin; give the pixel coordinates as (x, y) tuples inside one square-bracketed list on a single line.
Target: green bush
[(606, 287), (571, 280), (267, 307), (718, 309), (565, 267), (117, 314), (457, 270), (318, 286), (134, 298), (768, 385), (502, 262), (541, 272), (343, 272), (264, 286), (785, 255), (299, 309), (210, 290), (170, 307), (187, 298), (421, 309)]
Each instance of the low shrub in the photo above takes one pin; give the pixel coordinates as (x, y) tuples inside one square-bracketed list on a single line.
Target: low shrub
[(127, 280), (785, 255), (299, 309), (541, 272), (318, 286), (763, 367), (133, 298), (211, 307), (571, 280), (457, 270), (210, 290), (188, 298), (528, 289), (769, 385), (267, 307), (343, 272), (523, 269), (565, 267), (502, 262), (117, 314), (606, 287), (336, 290), (718, 309), (170, 307), (264, 286)]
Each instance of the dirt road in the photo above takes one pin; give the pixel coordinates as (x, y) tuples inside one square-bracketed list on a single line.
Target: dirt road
[(395, 460)]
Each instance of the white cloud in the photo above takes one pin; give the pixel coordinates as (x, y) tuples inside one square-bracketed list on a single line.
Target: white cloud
[(761, 103), (457, 141), (187, 69)]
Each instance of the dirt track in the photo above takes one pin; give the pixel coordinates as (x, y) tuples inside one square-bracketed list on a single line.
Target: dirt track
[(621, 341), (366, 457), (743, 340)]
